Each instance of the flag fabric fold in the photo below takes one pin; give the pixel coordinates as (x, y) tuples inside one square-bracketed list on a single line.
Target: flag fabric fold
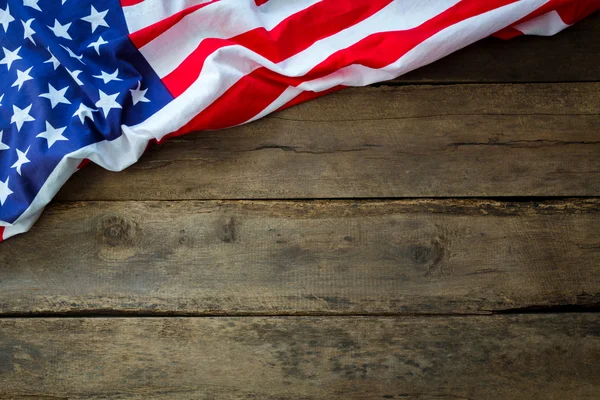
[(97, 80)]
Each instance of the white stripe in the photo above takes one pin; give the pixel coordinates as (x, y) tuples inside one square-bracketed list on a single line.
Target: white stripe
[(149, 12), (545, 25), (220, 20)]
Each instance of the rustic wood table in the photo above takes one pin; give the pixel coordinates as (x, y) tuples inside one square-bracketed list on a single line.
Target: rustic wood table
[(433, 237)]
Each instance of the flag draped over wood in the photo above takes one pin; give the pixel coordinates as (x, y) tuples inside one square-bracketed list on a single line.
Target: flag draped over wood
[(97, 80)]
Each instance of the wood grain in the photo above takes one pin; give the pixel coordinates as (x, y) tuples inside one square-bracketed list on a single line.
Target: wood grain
[(304, 257), (276, 265), (571, 56), (410, 141), (502, 357)]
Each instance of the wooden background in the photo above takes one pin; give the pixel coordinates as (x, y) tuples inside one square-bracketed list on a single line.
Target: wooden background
[(432, 237)]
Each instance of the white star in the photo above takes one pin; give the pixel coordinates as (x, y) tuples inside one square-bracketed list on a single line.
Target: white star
[(61, 30), (22, 160), (3, 146), (108, 77), (5, 18), (4, 191), (96, 45), (32, 4), (79, 58), (1, 97), (138, 95), (96, 18), (63, 1), (52, 135), (107, 102), (10, 56), (82, 112), (56, 96), (75, 75), (20, 116), (28, 30), (22, 77), (52, 59)]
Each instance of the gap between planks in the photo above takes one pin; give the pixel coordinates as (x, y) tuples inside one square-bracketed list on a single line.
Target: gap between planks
[(530, 310)]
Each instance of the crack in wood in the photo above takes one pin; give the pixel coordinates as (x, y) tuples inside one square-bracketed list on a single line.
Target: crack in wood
[(433, 116), (294, 149), (525, 143)]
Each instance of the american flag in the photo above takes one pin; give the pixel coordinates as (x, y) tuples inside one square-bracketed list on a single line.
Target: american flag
[(97, 80)]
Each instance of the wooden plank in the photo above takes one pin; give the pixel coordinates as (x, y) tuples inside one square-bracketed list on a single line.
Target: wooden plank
[(299, 257), (411, 141), (571, 56), (504, 357)]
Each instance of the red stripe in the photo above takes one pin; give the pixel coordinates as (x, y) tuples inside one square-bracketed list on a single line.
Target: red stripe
[(182, 77), (2, 233), (325, 19), (572, 13), (260, 2), (254, 92), (151, 32), (126, 3), (83, 163), (248, 97)]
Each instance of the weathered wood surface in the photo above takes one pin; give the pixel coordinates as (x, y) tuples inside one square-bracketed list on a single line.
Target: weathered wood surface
[(500, 357), (571, 56), (386, 260), (410, 141), (320, 257)]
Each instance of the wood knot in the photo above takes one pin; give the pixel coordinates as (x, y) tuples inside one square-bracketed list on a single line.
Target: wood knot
[(422, 254), (431, 256), (117, 230), (226, 230)]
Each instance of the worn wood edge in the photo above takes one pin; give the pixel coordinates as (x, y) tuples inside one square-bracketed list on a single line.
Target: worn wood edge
[(517, 357)]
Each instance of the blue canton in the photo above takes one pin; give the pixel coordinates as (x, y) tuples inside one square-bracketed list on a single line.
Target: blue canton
[(69, 78)]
